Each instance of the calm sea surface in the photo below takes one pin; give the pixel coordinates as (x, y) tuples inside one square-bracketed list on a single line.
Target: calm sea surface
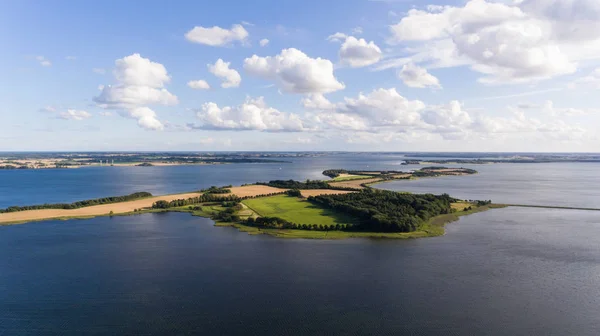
[(515, 271)]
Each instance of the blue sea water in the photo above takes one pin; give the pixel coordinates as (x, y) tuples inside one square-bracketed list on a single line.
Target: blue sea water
[(512, 271)]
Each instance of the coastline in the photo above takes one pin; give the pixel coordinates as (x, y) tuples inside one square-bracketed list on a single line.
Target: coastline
[(433, 227)]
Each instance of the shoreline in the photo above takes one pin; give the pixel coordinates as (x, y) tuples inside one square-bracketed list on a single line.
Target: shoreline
[(435, 226)]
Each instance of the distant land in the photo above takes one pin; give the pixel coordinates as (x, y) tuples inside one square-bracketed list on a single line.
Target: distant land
[(342, 207), (45, 160), (78, 160)]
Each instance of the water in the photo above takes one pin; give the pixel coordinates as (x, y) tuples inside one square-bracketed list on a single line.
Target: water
[(563, 184), (26, 187), (558, 184), (514, 271), (505, 272)]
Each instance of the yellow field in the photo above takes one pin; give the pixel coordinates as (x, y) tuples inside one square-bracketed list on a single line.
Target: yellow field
[(96, 210)]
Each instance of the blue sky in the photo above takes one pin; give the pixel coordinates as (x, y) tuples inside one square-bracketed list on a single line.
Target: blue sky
[(477, 75)]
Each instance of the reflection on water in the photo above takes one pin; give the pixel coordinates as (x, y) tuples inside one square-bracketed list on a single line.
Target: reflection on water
[(506, 271)]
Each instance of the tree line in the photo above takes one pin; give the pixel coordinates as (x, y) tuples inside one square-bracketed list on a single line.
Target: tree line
[(333, 173), (217, 190), (387, 211), (204, 198), (280, 223), (79, 204)]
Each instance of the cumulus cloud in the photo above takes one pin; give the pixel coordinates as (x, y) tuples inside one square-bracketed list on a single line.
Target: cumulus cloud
[(74, 115), (139, 83), (198, 84), (525, 41), (231, 78), (295, 72), (253, 114), (317, 101), (417, 77), (264, 42), (385, 111), (146, 118), (43, 61), (217, 36), (356, 52)]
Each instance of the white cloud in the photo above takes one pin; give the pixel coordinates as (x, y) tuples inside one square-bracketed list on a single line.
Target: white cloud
[(264, 42), (417, 77), (591, 80), (74, 115), (139, 83), (253, 114), (356, 52), (294, 72), (317, 101), (198, 84), (357, 30), (43, 61), (337, 37), (549, 109), (507, 43), (217, 36), (231, 78), (383, 107), (99, 71), (385, 113), (146, 118)]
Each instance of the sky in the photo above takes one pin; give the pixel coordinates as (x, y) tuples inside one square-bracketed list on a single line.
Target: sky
[(289, 75)]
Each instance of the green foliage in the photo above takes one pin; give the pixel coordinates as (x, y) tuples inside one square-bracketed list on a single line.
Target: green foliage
[(482, 203), (387, 211), (162, 204), (80, 204), (217, 190), (333, 173), (294, 193)]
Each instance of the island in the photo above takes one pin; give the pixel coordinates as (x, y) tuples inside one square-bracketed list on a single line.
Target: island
[(344, 206)]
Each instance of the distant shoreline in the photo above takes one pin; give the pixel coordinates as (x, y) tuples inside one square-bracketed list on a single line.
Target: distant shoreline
[(342, 182)]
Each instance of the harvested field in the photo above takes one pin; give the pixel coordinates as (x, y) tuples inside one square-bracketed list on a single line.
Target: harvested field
[(96, 210), (356, 184), (254, 190), (317, 192)]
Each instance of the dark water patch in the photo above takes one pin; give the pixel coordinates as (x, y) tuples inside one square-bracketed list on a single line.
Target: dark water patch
[(512, 271)]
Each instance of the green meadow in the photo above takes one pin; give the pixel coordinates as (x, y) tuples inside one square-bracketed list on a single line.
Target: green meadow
[(296, 210)]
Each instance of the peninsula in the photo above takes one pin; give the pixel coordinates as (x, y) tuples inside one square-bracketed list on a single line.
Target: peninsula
[(344, 206)]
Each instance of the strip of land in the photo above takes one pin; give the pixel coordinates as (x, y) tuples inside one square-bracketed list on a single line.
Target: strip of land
[(342, 208), (122, 207)]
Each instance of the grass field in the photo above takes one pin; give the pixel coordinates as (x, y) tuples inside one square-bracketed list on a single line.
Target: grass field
[(296, 210), (350, 177)]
